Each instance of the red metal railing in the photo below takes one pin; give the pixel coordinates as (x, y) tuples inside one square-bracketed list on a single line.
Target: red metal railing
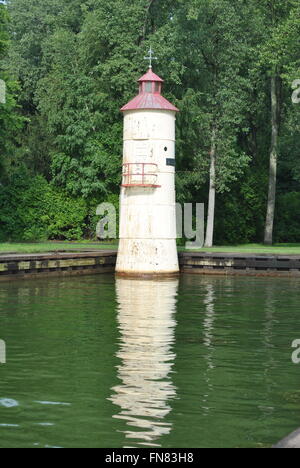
[(135, 175)]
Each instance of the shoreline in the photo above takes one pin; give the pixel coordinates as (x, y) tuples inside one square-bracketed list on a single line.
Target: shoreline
[(89, 261)]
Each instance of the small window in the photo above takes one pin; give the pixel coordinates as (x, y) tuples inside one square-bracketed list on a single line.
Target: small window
[(157, 87), (148, 87), (166, 149)]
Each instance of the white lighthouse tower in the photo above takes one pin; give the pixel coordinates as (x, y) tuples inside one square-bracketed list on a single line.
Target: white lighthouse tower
[(147, 203)]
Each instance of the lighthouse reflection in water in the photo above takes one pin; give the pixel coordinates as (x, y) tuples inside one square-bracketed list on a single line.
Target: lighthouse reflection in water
[(147, 324)]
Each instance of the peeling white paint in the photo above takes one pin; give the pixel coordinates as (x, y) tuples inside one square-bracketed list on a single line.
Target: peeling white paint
[(148, 214)]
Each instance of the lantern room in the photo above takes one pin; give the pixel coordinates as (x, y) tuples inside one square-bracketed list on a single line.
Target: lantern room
[(150, 83)]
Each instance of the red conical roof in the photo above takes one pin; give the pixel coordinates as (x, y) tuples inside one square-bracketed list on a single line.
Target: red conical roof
[(149, 100), (150, 76)]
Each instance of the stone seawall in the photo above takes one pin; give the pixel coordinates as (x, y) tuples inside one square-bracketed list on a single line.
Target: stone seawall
[(239, 264), (55, 264), (14, 266)]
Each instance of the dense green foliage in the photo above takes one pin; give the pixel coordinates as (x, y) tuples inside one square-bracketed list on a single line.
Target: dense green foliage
[(10, 120), (35, 211), (70, 65)]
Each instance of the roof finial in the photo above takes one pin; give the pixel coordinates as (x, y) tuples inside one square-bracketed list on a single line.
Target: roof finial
[(151, 57)]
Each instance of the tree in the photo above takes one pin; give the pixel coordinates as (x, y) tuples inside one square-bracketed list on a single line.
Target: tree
[(10, 120), (214, 57), (33, 23), (280, 21), (71, 65), (90, 76)]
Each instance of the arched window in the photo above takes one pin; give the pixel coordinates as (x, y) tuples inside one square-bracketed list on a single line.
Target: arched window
[(157, 88), (148, 87)]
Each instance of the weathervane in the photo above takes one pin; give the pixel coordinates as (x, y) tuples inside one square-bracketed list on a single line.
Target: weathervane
[(151, 57)]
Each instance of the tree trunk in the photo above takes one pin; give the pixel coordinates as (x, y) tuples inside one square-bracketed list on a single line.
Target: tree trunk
[(209, 240), (273, 161), (144, 29)]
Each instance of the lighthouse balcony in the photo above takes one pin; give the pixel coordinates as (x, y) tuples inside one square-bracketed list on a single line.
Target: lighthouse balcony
[(140, 175)]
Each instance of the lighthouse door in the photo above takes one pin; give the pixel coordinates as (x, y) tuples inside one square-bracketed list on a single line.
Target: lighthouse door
[(141, 151), (140, 128), (141, 156)]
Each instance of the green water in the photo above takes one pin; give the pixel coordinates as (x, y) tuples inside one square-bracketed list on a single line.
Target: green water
[(199, 362)]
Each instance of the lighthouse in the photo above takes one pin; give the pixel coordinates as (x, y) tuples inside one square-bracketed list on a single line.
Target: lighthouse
[(147, 203)]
